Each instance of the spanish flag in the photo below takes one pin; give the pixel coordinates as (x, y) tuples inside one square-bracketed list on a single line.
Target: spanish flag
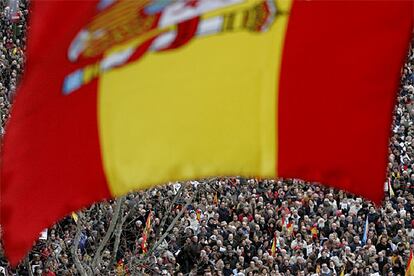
[(123, 95), (145, 233), (314, 231), (144, 244), (198, 215), (274, 245), (410, 265), (148, 223), (289, 228), (120, 270)]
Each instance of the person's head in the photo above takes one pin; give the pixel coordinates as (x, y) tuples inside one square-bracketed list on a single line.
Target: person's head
[(220, 264), (324, 267), (160, 261)]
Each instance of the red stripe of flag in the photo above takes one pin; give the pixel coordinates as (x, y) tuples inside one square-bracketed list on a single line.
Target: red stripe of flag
[(337, 90), (62, 165)]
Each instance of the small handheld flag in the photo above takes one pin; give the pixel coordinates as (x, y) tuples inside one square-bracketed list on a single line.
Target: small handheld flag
[(215, 199), (365, 235), (198, 214), (145, 233), (314, 231), (274, 244), (410, 265)]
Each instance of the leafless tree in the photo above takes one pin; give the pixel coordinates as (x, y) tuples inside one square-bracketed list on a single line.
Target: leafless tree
[(111, 240)]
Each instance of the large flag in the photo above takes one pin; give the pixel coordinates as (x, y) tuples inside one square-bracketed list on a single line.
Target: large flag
[(122, 95)]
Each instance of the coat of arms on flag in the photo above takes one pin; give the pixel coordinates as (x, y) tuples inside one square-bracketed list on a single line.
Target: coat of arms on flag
[(125, 31)]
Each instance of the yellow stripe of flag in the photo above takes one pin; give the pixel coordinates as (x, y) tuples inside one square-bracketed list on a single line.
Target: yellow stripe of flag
[(166, 116)]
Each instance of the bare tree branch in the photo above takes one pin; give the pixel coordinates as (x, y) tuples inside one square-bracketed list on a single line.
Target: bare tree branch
[(170, 227), (98, 254), (75, 246), (117, 233), (164, 219), (29, 266)]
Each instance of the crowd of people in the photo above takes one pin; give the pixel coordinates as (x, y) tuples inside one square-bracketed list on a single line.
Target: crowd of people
[(401, 158), (233, 226), (227, 226), (12, 47)]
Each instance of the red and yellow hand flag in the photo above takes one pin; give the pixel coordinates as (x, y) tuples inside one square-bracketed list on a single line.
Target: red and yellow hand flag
[(198, 215), (145, 233), (215, 199), (409, 271), (123, 95), (314, 231), (274, 245)]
